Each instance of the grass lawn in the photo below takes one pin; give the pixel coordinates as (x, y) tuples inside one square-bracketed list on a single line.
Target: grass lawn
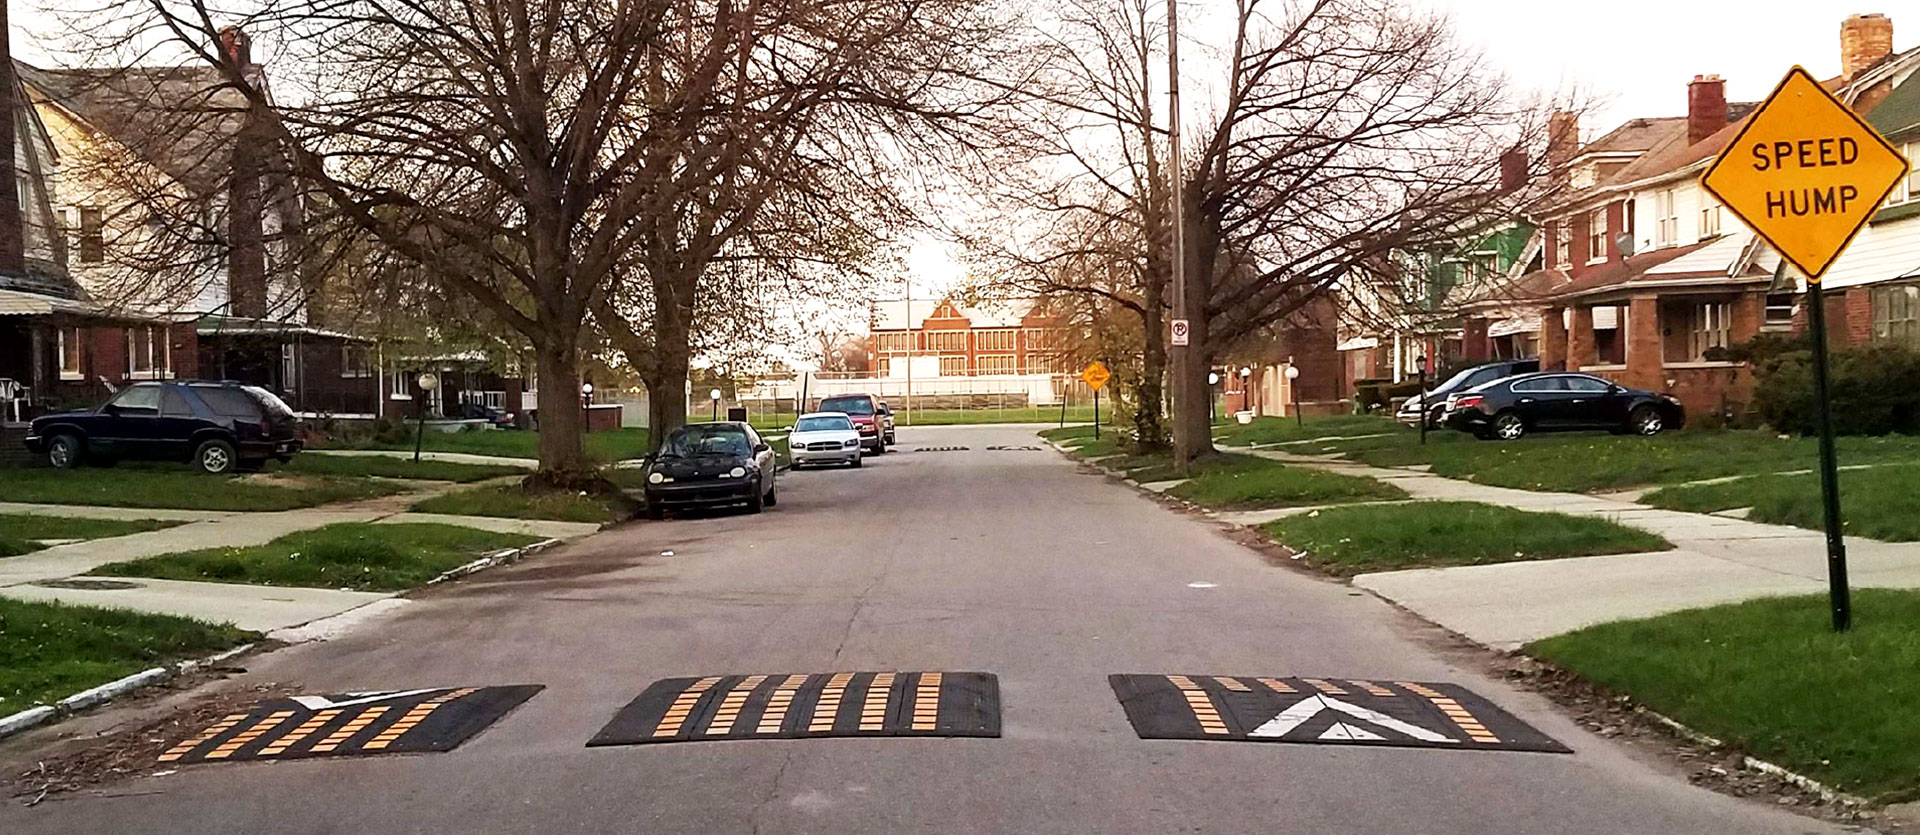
[(1877, 503), (49, 651), (384, 467), (512, 502), (351, 555), (1769, 676), (1582, 462), (1244, 482), (1268, 430), (19, 532), (181, 488), (1068, 433), (610, 445), (1355, 540)]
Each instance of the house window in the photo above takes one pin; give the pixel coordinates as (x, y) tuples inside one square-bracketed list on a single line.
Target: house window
[(1779, 312), (1711, 327), (400, 386), (289, 366), (70, 340), (994, 364), (890, 342), (149, 352), (93, 241), (1562, 244), (953, 366), (1597, 235), (1896, 313), (1667, 230), (355, 361), (994, 340), (885, 367), (954, 341), (1709, 221), (1908, 189)]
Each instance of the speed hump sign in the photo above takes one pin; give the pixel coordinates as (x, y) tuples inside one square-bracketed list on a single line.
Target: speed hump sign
[(1095, 375), (1181, 331), (1805, 173)]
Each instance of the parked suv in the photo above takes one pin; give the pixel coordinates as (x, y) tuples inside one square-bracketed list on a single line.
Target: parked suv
[(864, 410), (1435, 399), (219, 427)]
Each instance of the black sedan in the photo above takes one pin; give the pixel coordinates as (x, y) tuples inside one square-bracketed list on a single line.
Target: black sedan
[(218, 426), (708, 464), (1558, 401)]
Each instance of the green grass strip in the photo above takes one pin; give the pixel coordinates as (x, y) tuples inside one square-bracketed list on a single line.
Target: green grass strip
[(1878, 503), (1245, 482), (1356, 540), (180, 489), (1770, 676), (49, 651), (513, 502), (352, 555), (385, 467)]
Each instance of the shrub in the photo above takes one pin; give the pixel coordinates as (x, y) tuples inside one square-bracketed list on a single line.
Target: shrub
[(1875, 390)]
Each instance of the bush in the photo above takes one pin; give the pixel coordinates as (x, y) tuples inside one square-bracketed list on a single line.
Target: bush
[(1372, 395), (1875, 390)]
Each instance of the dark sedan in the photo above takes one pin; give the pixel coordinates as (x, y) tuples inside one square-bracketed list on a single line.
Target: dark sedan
[(1435, 400), (709, 464), (1557, 401), (218, 426)]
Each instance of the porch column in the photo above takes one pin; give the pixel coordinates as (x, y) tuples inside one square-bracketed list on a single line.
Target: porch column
[(1646, 350), (1474, 343), (1553, 339), (1580, 346)]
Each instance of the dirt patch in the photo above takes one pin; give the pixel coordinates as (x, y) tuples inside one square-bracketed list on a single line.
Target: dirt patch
[(281, 479), (80, 759)]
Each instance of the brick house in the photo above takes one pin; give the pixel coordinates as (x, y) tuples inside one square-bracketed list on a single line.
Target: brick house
[(946, 338), (1873, 290), (1647, 280)]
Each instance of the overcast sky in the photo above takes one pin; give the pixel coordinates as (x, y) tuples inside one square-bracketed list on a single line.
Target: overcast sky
[(1637, 54)]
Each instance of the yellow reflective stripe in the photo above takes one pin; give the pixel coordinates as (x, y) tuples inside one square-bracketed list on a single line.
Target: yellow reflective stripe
[(226, 723)]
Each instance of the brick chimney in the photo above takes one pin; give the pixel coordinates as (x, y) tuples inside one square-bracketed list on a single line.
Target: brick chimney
[(237, 47), (1864, 40), (1706, 107), (1513, 169), (1563, 140)]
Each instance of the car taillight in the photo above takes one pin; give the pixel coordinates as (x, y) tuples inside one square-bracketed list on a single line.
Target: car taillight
[(1467, 402)]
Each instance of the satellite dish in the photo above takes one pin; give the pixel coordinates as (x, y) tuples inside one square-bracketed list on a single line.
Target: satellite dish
[(1623, 243)]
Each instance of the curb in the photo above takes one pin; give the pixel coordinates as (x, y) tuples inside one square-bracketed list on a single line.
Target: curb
[(509, 556), (1826, 792), (90, 697)]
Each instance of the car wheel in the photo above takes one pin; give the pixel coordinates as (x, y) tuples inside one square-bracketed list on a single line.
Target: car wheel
[(1646, 420), (215, 457), (756, 502), (1508, 426), (656, 512), (856, 462), (64, 452), (773, 496)]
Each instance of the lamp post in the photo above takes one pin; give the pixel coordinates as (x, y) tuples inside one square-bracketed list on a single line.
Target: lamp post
[(715, 397), (1293, 374), (427, 381), (1246, 390), (1213, 379)]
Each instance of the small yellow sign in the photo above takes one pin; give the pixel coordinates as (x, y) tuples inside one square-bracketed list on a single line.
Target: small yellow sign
[(1095, 375), (1805, 173)]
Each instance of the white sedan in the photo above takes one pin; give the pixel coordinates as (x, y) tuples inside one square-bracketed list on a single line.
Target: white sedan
[(824, 438)]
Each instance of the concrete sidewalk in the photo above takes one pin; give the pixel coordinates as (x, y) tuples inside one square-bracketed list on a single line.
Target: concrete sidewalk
[(1716, 559)]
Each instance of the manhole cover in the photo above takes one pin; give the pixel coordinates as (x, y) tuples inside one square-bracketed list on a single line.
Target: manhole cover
[(84, 584), (807, 706)]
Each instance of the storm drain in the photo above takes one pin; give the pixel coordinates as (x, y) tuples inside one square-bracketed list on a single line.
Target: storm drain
[(1321, 710), (808, 705), (346, 724)]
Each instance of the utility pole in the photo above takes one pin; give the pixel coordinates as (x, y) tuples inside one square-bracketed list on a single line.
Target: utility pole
[(1177, 355)]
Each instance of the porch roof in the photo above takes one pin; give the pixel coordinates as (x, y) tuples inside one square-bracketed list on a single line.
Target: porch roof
[(232, 326), (22, 303), (1709, 263)]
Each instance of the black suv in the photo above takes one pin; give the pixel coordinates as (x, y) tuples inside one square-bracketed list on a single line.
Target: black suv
[(1435, 400), (217, 426)]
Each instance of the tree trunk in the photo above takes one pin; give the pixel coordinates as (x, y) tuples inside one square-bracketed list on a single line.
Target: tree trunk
[(1191, 416), (1150, 433), (563, 420), (667, 393)]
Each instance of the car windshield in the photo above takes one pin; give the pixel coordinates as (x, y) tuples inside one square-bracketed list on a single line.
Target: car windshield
[(822, 424), (707, 439), (850, 405)]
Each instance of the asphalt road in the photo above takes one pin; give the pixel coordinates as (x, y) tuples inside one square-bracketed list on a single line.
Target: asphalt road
[(1009, 562)]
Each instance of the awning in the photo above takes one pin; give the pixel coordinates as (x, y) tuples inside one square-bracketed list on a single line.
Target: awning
[(19, 303), (1513, 325)]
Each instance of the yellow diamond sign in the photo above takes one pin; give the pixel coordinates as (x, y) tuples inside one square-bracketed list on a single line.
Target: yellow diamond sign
[(1095, 375), (1805, 173)]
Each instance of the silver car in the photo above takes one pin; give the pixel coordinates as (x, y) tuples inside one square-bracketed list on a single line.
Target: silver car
[(824, 438)]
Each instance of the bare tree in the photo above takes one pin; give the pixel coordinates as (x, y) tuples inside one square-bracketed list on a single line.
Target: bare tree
[(1085, 211), (1345, 131)]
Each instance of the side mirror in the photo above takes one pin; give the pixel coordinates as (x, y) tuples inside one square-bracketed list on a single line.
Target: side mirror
[(761, 447), (1614, 388)]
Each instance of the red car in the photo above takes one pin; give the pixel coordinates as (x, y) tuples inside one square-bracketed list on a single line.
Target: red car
[(864, 409)]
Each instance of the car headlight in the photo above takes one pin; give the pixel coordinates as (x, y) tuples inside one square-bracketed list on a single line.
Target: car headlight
[(737, 472), (850, 443), (655, 478)]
